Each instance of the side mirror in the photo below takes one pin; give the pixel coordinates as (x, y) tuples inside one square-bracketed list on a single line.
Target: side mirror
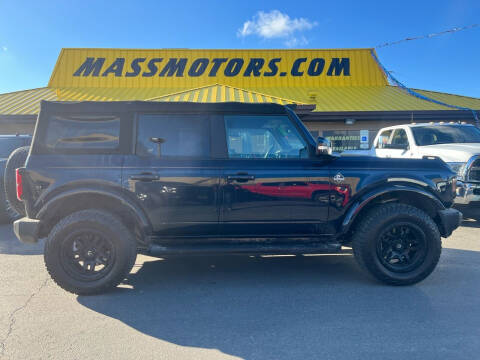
[(324, 147)]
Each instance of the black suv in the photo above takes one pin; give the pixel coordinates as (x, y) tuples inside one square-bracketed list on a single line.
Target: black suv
[(106, 180)]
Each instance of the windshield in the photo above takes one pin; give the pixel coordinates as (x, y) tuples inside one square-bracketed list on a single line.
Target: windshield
[(445, 134)]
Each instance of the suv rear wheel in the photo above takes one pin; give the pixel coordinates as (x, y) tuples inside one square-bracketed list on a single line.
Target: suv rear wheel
[(397, 243), (89, 252)]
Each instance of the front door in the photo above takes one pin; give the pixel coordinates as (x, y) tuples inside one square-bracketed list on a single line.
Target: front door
[(270, 184), (173, 175), (393, 144)]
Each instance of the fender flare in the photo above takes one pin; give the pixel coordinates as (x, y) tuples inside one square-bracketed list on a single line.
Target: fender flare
[(133, 208), (365, 199)]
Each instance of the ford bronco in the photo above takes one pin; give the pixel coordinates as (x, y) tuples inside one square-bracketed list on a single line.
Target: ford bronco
[(106, 180)]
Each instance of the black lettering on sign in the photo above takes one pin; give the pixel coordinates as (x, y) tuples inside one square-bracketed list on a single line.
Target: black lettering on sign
[(217, 62), (233, 67), (152, 67), (135, 67), (90, 66), (175, 67), (116, 68), (337, 66), (254, 66), (296, 67), (272, 65), (198, 67), (316, 66)]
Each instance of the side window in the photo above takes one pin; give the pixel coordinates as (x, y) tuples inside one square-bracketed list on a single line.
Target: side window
[(383, 139), (173, 136), (400, 137), (85, 132), (263, 137)]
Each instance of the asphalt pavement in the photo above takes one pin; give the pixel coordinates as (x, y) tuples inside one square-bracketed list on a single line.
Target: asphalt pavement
[(225, 307)]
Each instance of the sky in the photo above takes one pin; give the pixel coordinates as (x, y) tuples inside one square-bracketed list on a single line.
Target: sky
[(32, 33)]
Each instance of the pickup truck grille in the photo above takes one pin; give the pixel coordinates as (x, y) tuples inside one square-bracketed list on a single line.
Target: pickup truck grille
[(474, 170)]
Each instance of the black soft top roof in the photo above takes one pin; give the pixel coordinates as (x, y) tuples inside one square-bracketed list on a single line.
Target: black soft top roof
[(157, 106)]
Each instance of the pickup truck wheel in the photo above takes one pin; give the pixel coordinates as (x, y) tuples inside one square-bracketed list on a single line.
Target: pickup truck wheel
[(17, 158), (398, 244), (7, 214), (89, 252)]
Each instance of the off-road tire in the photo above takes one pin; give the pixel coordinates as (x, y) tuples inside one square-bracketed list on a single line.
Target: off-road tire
[(96, 220), (370, 228), (17, 159)]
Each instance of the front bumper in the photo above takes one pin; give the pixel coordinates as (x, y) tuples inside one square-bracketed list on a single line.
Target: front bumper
[(26, 230), (450, 219), (467, 192)]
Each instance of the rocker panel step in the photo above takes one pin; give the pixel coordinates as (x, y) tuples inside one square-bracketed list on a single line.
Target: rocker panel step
[(244, 248)]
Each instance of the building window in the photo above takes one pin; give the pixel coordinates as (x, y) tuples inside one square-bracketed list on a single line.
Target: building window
[(347, 139)]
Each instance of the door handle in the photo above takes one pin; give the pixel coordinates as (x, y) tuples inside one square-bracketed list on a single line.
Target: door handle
[(240, 177), (144, 177)]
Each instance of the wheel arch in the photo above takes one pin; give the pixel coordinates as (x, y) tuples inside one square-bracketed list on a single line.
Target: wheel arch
[(409, 195), (73, 200)]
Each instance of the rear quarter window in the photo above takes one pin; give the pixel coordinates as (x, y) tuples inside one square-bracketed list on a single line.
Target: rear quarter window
[(85, 132)]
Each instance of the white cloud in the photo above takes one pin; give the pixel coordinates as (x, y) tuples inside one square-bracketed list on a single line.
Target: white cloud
[(295, 42), (275, 24)]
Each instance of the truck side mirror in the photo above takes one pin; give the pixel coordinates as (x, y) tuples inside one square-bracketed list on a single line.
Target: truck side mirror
[(324, 147)]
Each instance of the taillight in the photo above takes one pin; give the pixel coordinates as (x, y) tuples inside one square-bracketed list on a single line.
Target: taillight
[(18, 177)]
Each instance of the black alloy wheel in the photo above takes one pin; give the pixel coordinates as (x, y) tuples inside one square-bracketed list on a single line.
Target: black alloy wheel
[(87, 255), (402, 247)]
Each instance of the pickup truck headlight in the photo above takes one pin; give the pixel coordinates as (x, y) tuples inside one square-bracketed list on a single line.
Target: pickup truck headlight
[(458, 167)]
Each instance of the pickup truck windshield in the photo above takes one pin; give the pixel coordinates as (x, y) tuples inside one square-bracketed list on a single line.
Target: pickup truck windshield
[(445, 134)]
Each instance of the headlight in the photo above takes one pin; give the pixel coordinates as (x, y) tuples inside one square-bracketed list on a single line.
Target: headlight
[(458, 167)]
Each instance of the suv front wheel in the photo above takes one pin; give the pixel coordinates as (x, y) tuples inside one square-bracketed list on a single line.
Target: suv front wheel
[(89, 252), (397, 243)]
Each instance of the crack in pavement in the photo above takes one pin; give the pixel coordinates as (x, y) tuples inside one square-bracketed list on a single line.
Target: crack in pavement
[(12, 318)]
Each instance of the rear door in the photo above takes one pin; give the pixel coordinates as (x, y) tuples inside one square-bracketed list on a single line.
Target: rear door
[(173, 174), (270, 184)]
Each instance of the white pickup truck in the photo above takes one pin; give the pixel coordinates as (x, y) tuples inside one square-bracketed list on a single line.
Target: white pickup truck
[(456, 144)]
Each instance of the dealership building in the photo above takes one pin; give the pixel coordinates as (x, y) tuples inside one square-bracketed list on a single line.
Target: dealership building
[(338, 93)]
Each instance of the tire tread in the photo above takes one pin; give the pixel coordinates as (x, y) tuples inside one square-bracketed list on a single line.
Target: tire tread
[(105, 219), (363, 234)]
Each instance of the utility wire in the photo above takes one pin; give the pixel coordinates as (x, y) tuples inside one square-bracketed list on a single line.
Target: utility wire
[(419, 95), (450, 31)]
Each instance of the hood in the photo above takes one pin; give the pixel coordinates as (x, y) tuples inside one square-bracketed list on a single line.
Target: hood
[(457, 152)]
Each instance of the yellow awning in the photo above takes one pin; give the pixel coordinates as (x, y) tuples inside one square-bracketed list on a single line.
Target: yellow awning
[(374, 98)]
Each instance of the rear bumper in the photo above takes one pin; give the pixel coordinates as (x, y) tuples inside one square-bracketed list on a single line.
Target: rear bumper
[(450, 219), (467, 192), (26, 230)]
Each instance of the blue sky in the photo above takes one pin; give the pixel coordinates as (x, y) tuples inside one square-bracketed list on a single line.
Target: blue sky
[(32, 33)]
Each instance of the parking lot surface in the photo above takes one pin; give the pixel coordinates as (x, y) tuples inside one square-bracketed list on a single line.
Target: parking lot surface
[(225, 307)]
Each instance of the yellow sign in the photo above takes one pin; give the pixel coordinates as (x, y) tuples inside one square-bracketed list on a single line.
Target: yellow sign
[(183, 68)]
